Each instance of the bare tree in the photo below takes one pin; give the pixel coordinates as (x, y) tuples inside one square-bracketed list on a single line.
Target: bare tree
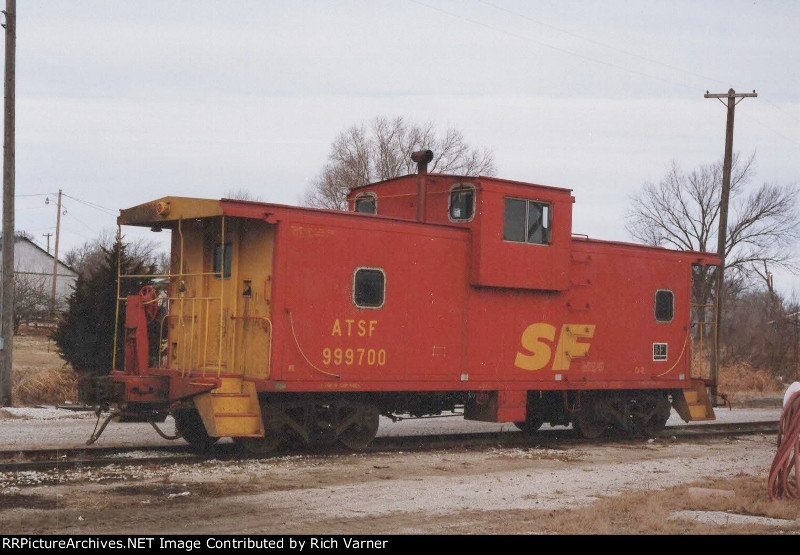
[(382, 150), (86, 258), (682, 211), (31, 297), (766, 332), (242, 194)]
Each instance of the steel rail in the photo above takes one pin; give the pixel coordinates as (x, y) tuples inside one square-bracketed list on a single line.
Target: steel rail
[(62, 459)]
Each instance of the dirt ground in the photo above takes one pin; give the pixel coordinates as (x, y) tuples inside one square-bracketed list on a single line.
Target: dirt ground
[(661, 486)]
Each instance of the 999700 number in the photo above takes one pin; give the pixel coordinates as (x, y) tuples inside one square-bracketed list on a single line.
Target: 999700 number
[(353, 356)]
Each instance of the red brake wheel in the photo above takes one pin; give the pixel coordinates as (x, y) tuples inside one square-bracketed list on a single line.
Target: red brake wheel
[(149, 296)]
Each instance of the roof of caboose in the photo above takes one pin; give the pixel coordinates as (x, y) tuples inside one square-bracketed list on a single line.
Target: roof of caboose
[(173, 208), (165, 212), (699, 257), (478, 179), (168, 209)]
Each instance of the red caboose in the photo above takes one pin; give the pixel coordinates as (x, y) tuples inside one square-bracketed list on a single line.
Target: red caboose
[(433, 293)]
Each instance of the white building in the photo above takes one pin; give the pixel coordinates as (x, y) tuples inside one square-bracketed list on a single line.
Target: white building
[(33, 270)]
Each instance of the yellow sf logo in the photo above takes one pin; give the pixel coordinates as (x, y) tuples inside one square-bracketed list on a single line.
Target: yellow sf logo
[(538, 340)]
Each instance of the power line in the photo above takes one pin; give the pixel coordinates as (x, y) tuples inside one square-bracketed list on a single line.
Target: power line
[(109, 211), (84, 224), (552, 47), (599, 61), (597, 43), (781, 110)]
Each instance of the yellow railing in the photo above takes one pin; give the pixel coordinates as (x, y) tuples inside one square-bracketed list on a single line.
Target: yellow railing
[(193, 337), (179, 277), (699, 349)]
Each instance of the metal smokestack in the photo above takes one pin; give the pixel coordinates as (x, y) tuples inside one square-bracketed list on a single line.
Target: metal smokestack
[(421, 157)]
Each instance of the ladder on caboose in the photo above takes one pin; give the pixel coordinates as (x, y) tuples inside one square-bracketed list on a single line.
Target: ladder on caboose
[(697, 402)]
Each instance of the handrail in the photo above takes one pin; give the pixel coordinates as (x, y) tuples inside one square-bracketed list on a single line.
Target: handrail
[(190, 274), (195, 336), (116, 309), (704, 325), (221, 296)]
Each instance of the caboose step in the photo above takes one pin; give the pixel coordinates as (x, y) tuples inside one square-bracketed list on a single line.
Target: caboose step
[(231, 410), (238, 425), (694, 404)]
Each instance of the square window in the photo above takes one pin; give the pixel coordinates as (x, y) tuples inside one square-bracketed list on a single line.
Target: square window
[(527, 221), (369, 286), (367, 204), (664, 305), (462, 202)]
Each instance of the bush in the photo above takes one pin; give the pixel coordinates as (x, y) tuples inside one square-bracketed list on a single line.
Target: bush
[(85, 333)]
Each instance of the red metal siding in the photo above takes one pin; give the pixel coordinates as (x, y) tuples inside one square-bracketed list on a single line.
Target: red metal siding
[(502, 263), (436, 332), (606, 322), (415, 337)]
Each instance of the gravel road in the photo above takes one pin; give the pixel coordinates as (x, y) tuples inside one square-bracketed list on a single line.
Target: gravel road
[(519, 490)]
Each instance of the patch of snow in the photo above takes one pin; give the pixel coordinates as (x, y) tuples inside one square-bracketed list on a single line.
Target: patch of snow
[(45, 413), (721, 518)]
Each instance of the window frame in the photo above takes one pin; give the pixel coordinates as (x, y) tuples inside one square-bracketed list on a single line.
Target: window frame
[(459, 188), (354, 296), (363, 196), (222, 255), (664, 320), (547, 222)]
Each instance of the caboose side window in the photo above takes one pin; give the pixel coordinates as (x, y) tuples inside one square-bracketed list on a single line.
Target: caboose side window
[(369, 288), (462, 202), (221, 251), (367, 203), (527, 221), (664, 305)]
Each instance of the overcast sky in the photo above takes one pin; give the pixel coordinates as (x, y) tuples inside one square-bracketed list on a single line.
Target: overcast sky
[(122, 102)]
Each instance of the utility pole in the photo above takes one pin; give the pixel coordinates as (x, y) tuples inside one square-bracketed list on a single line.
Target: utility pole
[(55, 259), (7, 298), (48, 235), (722, 235)]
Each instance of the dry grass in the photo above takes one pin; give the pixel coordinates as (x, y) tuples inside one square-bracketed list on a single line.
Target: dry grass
[(658, 511), (743, 379), (41, 377)]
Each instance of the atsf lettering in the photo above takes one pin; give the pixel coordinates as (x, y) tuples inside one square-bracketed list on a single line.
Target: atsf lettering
[(354, 351)]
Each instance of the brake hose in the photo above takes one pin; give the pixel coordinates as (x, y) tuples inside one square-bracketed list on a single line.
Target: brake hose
[(783, 483)]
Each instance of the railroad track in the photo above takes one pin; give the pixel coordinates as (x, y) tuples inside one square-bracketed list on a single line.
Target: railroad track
[(179, 453)]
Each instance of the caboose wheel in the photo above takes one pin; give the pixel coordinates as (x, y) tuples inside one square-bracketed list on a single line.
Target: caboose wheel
[(363, 430), (530, 425), (587, 424), (659, 411), (274, 425), (191, 428)]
